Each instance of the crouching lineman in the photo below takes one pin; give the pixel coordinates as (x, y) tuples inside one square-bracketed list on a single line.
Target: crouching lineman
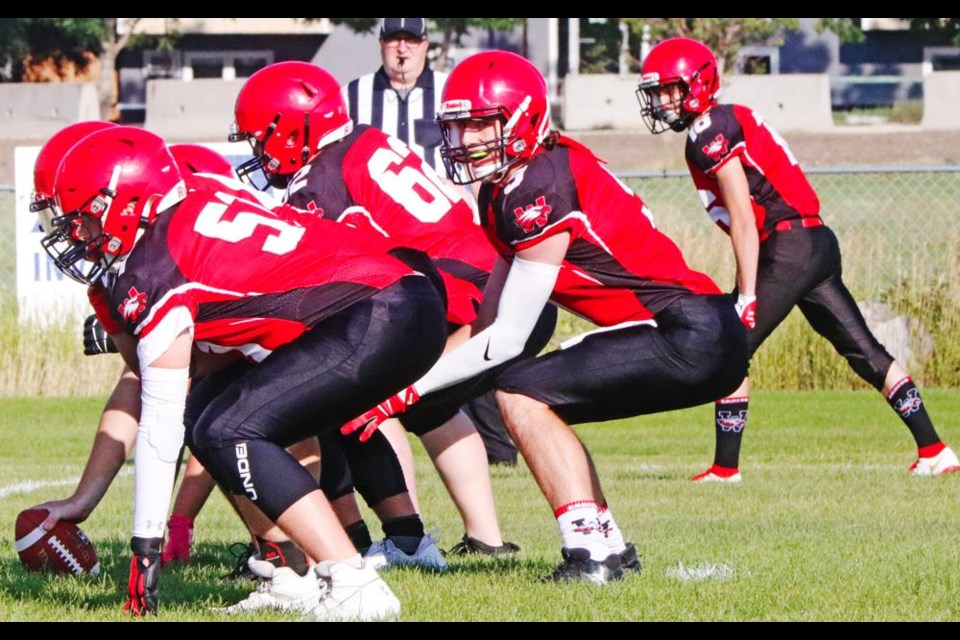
[(328, 325), (569, 232), (364, 178)]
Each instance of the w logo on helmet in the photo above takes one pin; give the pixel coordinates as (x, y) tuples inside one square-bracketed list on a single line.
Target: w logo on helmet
[(909, 405), (534, 216), (730, 422)]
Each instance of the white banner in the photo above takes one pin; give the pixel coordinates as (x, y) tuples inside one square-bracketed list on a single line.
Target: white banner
[(45, 295)]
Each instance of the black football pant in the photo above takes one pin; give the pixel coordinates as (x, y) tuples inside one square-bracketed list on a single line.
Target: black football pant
[(243, 418), (372, 468), (802, 267), (696, 354)]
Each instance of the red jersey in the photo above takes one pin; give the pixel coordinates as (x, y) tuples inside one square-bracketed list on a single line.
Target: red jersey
[(250, 279), (779, 190), (374, 181), (97, 295), (618, 267)]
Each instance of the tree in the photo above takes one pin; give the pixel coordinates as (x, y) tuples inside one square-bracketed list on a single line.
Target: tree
[(77, 41), (724, 36), (849, 28)]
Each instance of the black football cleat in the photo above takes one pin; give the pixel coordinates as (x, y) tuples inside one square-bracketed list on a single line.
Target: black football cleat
[(630, 560), (577, 566), (471, 546), (242, 553)]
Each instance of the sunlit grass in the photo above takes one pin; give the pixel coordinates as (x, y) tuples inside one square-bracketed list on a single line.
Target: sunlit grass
[(828, 525)]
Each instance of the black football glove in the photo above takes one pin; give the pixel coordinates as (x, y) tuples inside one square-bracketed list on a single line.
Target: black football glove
[(95, 339), (143, 589)]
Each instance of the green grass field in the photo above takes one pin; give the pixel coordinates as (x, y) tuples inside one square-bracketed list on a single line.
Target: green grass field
[(827, 525)]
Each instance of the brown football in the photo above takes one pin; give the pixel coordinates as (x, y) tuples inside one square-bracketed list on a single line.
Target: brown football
[(63, 549)]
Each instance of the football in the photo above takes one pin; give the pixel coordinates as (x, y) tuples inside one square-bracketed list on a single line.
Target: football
[(63, 549)]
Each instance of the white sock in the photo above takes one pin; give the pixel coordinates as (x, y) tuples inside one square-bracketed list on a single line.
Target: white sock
[(611, 532), (580, 529)]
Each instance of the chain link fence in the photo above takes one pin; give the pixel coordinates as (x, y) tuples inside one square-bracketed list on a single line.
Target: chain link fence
[(900, 238), (899, 231), (895, 224)]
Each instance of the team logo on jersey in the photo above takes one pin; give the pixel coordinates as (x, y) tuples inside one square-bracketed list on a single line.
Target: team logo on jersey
[(134, 305), (314, 209), (718, 148), (909, 405), (533, 216), (730, 422)]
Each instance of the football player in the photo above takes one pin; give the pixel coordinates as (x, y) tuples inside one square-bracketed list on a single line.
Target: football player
[(117, 429), (118, 425), (313, 308), (567, 231), (295, 118), (754, 189)]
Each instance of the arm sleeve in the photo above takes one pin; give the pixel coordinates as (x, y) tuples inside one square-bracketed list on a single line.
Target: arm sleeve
[(526, 291), (163, 395)]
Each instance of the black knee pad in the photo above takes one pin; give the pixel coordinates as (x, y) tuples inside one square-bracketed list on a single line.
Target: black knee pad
[(872, 368), (336, 480), (263, 472), (376, 470)]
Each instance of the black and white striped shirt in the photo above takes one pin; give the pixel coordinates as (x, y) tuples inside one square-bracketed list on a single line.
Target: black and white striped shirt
[(371, 100)]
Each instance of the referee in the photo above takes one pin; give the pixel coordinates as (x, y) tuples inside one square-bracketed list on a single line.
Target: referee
[(402, 96)]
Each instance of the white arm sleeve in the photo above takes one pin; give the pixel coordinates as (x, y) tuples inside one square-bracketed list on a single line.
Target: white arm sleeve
[(163, 393), (525, 293)]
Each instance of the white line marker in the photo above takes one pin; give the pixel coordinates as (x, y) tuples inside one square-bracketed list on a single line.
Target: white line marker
[(30, 486), (684, 573)]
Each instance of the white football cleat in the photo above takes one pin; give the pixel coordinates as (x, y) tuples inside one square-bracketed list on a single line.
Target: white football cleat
[(279, 589), (944, 462), (719, 474), (353, 594)]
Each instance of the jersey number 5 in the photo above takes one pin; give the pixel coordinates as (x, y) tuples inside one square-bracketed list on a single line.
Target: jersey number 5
[(243, 224)]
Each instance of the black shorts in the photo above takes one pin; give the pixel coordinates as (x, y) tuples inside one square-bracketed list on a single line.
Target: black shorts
[(802, 268), (331, 374), (696, 354)]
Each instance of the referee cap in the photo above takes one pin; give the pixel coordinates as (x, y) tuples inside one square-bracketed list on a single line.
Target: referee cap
[(416, 27)]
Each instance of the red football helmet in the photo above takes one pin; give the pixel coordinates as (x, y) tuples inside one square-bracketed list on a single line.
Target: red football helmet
[(196, 158), (686, 70), (288, 111), (109, 186), (48, 160), (493, 86)]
